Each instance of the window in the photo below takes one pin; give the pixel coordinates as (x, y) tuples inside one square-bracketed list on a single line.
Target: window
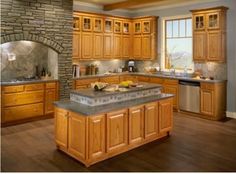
[(178, 44)]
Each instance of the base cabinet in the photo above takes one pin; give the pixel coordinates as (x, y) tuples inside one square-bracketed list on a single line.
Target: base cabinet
[(90, 139)]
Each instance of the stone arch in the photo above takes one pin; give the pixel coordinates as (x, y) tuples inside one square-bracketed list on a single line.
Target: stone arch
[(32, 37)]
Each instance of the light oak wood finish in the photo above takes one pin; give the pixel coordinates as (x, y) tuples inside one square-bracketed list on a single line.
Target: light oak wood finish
[(87, 45), (76, 45), (110, 80), (117, 46), (84, 83), (209, 34), (91, 139), (108, 46), (97, 45), (21, 103)]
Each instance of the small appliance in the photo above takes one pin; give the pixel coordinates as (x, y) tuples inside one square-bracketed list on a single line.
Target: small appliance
[(131, 66)]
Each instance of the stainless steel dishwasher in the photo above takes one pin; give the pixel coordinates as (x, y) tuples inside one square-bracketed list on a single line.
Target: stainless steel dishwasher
[(189, 97)]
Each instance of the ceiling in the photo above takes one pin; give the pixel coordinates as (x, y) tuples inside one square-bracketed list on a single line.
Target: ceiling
[(145, 4)]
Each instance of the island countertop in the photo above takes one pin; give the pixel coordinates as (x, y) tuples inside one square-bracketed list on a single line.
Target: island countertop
[(93, 110)]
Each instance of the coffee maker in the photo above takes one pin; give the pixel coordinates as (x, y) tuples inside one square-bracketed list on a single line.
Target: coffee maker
[(131, 66)]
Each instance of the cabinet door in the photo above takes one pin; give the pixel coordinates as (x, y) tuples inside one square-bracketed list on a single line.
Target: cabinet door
[(76, 44), (214, 46), (50, 97), (151, 120), (213, 20), (117, 46), (117, 26), (76, 135), (98, 45), (165, 115), (117, 131), (146, 47), (146, 27), (61, 127), (87, 45), (137, 46), (136, 125), (207, 99), (173, 89), (137, 27), (199, 22), (96, 136), (126, 27), (199, 46), (126, 46), (87, 23), (76, 23), (98, 25), (108, 45), (108, 25)]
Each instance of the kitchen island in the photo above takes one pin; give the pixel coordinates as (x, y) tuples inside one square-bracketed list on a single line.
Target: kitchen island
[(92, 133)]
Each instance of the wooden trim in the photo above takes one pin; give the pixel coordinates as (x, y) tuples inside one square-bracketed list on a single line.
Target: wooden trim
[(207, 9)]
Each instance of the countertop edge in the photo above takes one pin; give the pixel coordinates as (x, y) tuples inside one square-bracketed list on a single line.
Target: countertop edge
[(26, 82)]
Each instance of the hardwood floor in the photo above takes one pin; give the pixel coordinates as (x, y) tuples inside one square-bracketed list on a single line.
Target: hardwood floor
[(195, 145)]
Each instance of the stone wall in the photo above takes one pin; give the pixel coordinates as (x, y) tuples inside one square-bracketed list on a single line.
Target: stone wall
[(46, 21)]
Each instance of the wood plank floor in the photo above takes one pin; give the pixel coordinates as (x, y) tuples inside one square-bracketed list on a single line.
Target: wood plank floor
[(195, 145)]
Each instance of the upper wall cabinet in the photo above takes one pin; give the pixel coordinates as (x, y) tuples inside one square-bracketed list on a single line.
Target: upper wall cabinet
[(209, 34), (105, 37)]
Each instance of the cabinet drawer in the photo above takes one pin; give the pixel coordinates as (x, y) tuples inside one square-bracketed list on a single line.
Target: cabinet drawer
[(207, 86), (82, 87), (34, 87), (22, 112), (128, 77), (112, 80), (51, 85), (12, 89), (156, 80), (22, 98), (171, 82), (86, 81), (143, 79)]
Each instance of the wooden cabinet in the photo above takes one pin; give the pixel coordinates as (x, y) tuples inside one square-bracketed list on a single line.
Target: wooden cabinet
[(199, 46), (97, 46), (126, 46), (117, 26), (110, 80), (126, 27), (61, 127), (151, 120), (207, 99), (96, 126), (137, 26), (137, 46), (76, 45), (117, 46), (136, 125), (209, 33), (108, 46), (143, 79), (87, 45), (86, 23), (98, 24), (84, 83), (172, 87), (117, 131), (108, 25), (128, 78), (24, 102), (146, 46), (77, 135), (165, 115)]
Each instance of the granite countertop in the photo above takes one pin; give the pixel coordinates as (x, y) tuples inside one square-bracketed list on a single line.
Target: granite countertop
[(94, 94), (93, 110), (8, 83), (153, 75)]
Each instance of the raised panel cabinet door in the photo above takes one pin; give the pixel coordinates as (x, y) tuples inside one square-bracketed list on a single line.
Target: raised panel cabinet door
[(61, 127), (165, 115), (108, 45), (137, 46), (117, 131), (76, 45), (207, 102), (151, 120), (214, 46), (87, 45), (77, 135), (117, 47), (98, 45), (96, 136), (50, 97), (199, 46), (146, 47), (136, 125), (173, 89), (126, 46)]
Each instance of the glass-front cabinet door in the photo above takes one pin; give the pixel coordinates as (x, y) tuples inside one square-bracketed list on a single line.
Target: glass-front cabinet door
[(108, 25), (137, 27), (199, 22), (97, 25), (126, 27), (87, 24), (146, 26), (76, 23), (213, 21), (117, 26)]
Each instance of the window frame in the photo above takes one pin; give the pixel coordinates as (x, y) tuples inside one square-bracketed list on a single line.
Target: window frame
[(164, 42)]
